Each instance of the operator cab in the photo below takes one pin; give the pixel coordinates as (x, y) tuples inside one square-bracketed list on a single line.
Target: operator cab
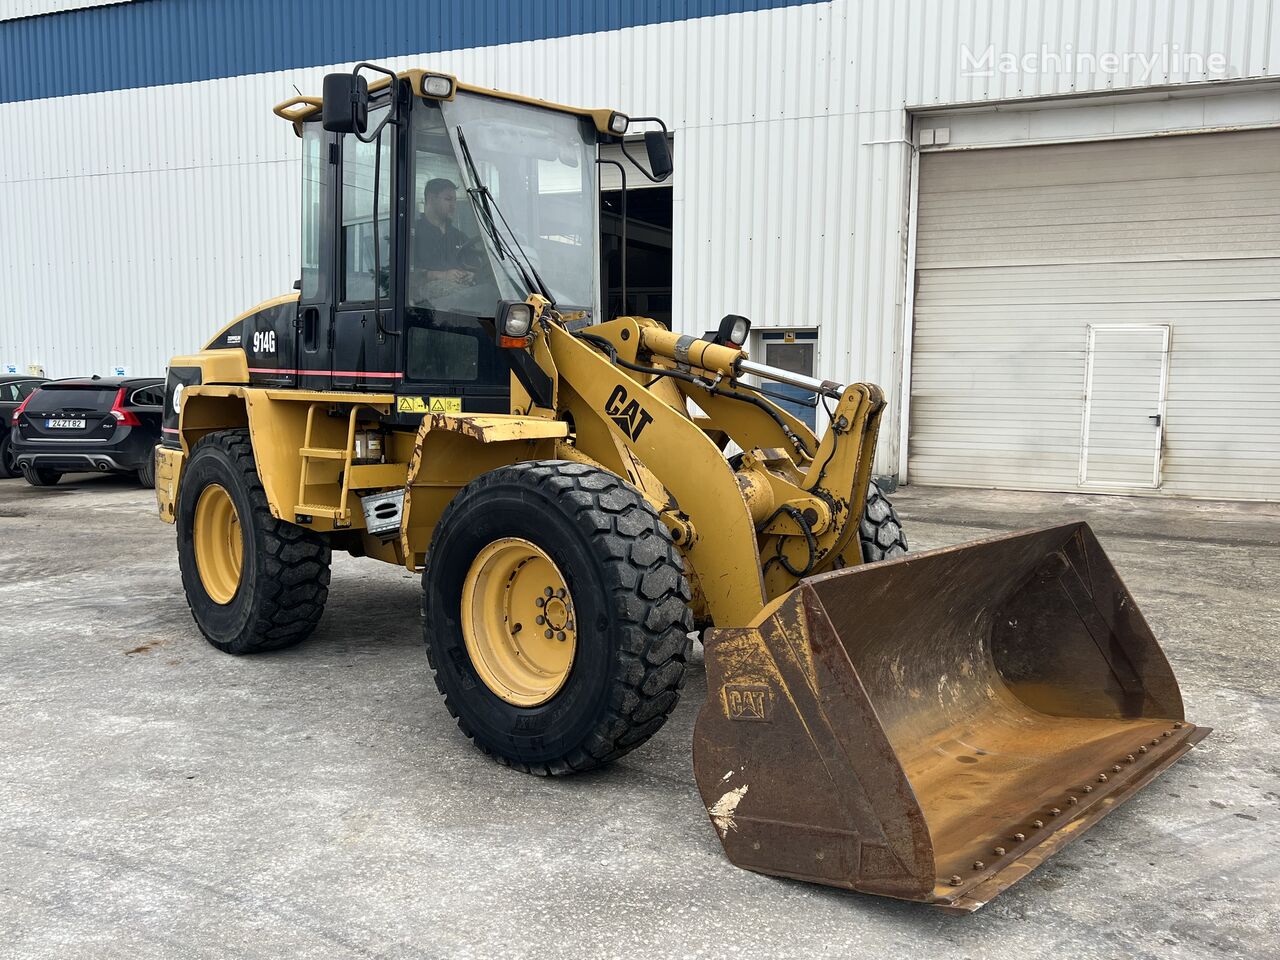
[(425, 204)]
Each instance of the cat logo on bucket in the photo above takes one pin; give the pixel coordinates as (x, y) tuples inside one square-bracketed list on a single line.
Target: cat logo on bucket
[(746, 701), (630, 417)]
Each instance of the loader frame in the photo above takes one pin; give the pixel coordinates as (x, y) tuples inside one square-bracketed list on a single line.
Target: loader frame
[(636, 425)]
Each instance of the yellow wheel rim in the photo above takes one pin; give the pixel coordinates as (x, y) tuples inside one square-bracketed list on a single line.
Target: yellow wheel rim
[(518, 622), (219, 548)]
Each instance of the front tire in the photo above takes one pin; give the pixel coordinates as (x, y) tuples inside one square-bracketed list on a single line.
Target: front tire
[(253, 583), (618, 614)]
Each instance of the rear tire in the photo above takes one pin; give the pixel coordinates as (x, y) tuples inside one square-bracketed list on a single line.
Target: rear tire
[(8, 465), (627, 598), (147, 471), (38, 477), (279, 579), (880, 531)]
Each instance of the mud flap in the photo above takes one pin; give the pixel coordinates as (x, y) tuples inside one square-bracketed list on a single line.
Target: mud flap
[(932, 728)]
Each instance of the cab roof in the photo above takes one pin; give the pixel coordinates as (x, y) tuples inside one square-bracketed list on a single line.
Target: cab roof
[(300, 109)]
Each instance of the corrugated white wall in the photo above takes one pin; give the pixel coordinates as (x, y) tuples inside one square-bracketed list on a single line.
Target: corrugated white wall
[(134, 222), (16, 9)]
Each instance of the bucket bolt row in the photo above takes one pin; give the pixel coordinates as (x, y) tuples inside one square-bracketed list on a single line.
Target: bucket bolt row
[(1037, 824)]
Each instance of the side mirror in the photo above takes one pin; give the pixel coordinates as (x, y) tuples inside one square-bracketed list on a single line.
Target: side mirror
[(346, 103), (655, 144)]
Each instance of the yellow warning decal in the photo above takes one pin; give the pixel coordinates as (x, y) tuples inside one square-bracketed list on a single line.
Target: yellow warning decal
[(428, 404)]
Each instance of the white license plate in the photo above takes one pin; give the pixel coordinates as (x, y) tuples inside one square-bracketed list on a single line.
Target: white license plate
[(64, 424)]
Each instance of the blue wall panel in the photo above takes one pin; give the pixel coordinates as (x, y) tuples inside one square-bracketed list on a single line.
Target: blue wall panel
[(152, 42)]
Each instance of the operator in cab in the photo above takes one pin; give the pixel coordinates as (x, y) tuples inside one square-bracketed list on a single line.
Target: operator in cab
[(437, 247)]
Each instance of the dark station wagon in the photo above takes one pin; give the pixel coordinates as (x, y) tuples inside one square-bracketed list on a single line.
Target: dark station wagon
[(104, 424)]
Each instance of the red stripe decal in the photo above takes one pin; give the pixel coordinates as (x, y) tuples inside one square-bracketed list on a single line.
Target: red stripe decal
[(325, 373)]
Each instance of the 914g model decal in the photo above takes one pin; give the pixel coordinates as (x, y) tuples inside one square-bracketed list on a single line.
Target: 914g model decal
[(630, 417)]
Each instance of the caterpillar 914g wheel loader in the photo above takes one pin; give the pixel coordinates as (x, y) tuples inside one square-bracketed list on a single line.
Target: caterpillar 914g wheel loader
[(440, 393)]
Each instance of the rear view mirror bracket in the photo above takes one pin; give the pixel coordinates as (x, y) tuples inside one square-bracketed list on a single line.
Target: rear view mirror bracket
[(345, 105), (656, 147)]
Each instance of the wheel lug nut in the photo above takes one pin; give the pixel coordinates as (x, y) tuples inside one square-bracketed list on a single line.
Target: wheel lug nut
[(540, 602), (540, 620), (999, 851), (1037, 824), (1019, 837), (546, 591), (561, 593), (548, 634), (560, 635)]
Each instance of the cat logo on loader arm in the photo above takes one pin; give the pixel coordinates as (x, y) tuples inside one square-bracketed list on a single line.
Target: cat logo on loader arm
[(925, 726)]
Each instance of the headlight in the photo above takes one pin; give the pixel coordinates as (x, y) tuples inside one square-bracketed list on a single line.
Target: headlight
[(618, 123), (733, 331), (518, 320), (437, 85)]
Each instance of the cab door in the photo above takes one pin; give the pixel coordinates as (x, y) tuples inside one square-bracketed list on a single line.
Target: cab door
[(363, 345)]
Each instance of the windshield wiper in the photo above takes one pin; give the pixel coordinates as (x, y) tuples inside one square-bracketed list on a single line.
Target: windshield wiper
[(485, 203), (481, 192)]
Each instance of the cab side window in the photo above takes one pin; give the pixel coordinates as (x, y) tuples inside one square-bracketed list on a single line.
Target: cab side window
[(314, 172), (360, 260)]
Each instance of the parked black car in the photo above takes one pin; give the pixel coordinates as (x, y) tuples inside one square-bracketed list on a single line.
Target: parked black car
[(13, 390), (107, 424)]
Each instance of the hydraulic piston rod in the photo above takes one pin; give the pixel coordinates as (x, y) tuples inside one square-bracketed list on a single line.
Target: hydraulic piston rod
[(827, 388)]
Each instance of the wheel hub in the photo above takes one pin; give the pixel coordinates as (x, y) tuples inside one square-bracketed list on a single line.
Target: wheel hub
[(219, 545), (518, 622)]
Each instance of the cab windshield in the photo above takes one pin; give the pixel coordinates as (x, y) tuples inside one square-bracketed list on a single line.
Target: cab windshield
[(505, 203)]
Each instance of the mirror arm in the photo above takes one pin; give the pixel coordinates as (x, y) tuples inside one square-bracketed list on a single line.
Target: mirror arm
[(638, 165), (393, 113)]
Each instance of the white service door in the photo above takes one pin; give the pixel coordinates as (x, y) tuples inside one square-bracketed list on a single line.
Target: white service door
[(1124, 405)]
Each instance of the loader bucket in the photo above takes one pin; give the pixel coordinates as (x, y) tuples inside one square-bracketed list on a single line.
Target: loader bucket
[(932, 728)]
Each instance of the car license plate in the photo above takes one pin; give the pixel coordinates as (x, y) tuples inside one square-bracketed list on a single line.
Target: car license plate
[(64, 424)]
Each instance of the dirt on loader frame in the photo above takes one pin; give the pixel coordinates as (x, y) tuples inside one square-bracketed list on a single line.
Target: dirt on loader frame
[(924, 726)]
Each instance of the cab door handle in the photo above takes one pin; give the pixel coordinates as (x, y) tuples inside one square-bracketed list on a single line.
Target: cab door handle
[(1156, 418)]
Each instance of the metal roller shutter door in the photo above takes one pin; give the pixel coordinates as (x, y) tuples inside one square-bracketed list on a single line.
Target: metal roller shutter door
[(1036, 265)]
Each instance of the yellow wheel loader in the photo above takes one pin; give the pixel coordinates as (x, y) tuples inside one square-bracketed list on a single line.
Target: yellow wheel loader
[(581, 495)]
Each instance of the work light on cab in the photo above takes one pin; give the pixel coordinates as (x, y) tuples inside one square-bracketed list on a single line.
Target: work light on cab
[(515, 318), (438, 86)]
